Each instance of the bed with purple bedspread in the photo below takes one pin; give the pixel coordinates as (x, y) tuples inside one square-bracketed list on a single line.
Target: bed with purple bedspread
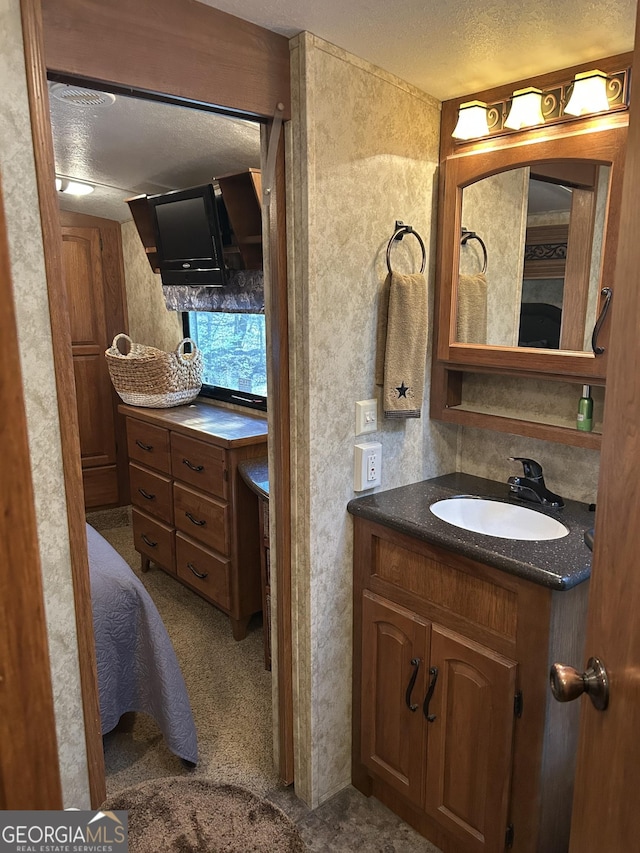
[(137, 666)]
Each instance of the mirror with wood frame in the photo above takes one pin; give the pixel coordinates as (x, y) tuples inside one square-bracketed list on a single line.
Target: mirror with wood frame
[(538, 230), (541, 215)]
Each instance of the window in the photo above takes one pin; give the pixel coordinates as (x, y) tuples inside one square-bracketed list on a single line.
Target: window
[(235, 355)]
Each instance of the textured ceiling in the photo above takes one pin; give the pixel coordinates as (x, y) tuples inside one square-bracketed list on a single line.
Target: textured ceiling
[(134, 146), (451, 47), (444, 47)]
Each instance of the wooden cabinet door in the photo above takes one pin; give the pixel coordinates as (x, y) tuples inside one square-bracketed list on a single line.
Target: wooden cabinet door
[(82, 260), (470, 737), (394, 649)]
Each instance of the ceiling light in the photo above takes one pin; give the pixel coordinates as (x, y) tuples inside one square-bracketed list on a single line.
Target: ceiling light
[(589, 94), (472, 120), (526, 109), (64, 185)]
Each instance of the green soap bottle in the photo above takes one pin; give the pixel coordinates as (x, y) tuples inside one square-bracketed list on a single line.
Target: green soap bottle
[(584, 420)]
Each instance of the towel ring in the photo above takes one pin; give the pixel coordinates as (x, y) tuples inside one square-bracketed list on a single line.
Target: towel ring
[(398, 234), (471, 235)]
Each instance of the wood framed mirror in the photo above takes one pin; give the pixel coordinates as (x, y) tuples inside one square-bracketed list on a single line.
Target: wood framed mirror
[(502, 197), (549, 263)]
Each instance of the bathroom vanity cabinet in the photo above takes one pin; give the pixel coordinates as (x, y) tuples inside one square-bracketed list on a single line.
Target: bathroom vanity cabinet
[(454, 726), (192, 514)]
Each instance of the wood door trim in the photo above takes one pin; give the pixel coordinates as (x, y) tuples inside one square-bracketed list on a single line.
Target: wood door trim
[(160, 46), (65, 385), (29, 774), (604, 814), (265, 70)]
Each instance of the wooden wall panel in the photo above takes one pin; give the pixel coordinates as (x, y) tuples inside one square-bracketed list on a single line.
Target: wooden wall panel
[(176, 47)]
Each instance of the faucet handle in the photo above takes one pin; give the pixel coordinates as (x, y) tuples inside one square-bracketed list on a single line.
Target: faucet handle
[(532, 469)]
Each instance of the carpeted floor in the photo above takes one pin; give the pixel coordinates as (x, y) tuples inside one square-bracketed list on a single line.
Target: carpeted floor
[(229, 689), (230, 694), (196, 816)]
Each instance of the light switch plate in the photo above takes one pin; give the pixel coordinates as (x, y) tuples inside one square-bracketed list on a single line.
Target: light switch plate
[(366, 416)]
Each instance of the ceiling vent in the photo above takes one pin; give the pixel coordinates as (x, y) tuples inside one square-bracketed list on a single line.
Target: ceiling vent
[(80, 96)]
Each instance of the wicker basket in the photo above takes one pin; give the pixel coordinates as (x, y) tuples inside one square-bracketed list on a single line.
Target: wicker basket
[(146, 376)]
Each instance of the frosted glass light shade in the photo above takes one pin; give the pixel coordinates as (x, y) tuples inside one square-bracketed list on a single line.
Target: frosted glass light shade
[(526, 109), (472, 121), (589, 94), (74, 187)]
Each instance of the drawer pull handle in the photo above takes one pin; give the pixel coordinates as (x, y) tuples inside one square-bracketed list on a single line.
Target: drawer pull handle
[(415, 662), (195, 520), (201, 575), (147, 447), (196, 468), (148, 541), (433, 672), (146, 495)]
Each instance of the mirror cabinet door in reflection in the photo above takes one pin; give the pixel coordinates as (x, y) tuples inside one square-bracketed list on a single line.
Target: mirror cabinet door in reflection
[(541, 226)]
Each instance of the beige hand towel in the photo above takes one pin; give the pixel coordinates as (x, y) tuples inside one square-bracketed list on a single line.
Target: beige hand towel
[(471, 323), (401, 353)]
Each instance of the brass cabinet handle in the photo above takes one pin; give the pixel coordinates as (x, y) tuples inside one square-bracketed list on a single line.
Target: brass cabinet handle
[(195, 520), (196, 468), (147, 447), (607, 292), (147, 495), (433, 672), (201, 575), (148, 541), (415, 662)]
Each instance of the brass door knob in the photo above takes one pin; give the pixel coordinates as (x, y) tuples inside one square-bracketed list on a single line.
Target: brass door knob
[(567, 683)]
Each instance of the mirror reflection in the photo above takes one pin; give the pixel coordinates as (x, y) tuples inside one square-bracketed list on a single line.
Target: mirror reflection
[(541, 228)]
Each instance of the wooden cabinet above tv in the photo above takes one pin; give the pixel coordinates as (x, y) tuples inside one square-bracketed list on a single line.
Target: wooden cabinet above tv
[(242, 196)]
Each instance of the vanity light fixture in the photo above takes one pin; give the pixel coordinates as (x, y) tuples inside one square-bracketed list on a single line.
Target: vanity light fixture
[(65, 185), (589, 94), (526, 109), (472, 121)]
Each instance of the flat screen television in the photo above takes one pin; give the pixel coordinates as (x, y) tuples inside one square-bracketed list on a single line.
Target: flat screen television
[(188, 237)]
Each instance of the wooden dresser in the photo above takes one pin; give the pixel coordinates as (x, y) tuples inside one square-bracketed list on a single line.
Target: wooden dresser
[(192, 514)]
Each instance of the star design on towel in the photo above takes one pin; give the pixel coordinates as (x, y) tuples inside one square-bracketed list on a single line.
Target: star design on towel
[(402, 390)]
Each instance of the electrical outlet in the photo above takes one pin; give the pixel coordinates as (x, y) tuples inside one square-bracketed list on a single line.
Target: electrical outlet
[(367, 470), (366, 416)]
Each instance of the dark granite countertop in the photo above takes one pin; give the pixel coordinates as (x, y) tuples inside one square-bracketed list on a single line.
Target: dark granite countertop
[(255, 473), (556, 563)]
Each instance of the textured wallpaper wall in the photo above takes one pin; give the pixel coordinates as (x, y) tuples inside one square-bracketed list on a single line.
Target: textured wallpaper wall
[(149, 321), (365, 151), (34, 333)]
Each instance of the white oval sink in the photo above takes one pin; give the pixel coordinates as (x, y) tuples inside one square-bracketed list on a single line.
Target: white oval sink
[(495, 518)]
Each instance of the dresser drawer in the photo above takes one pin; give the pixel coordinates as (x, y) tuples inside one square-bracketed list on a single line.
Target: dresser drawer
[(204, 570), (148, 444), (151, 492), (154, 539), (199, 464), (204, 518)]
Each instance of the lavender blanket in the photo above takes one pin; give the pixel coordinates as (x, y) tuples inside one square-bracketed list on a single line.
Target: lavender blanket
[(137, 666)]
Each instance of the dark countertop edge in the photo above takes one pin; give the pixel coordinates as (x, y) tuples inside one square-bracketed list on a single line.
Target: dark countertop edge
[(451, 538), (255, 473)]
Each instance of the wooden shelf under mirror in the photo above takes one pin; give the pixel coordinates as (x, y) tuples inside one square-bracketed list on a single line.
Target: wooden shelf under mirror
[(516, 412), (535, 317)]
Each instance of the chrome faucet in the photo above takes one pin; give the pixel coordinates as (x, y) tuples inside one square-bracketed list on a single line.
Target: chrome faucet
[(531, 487)]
